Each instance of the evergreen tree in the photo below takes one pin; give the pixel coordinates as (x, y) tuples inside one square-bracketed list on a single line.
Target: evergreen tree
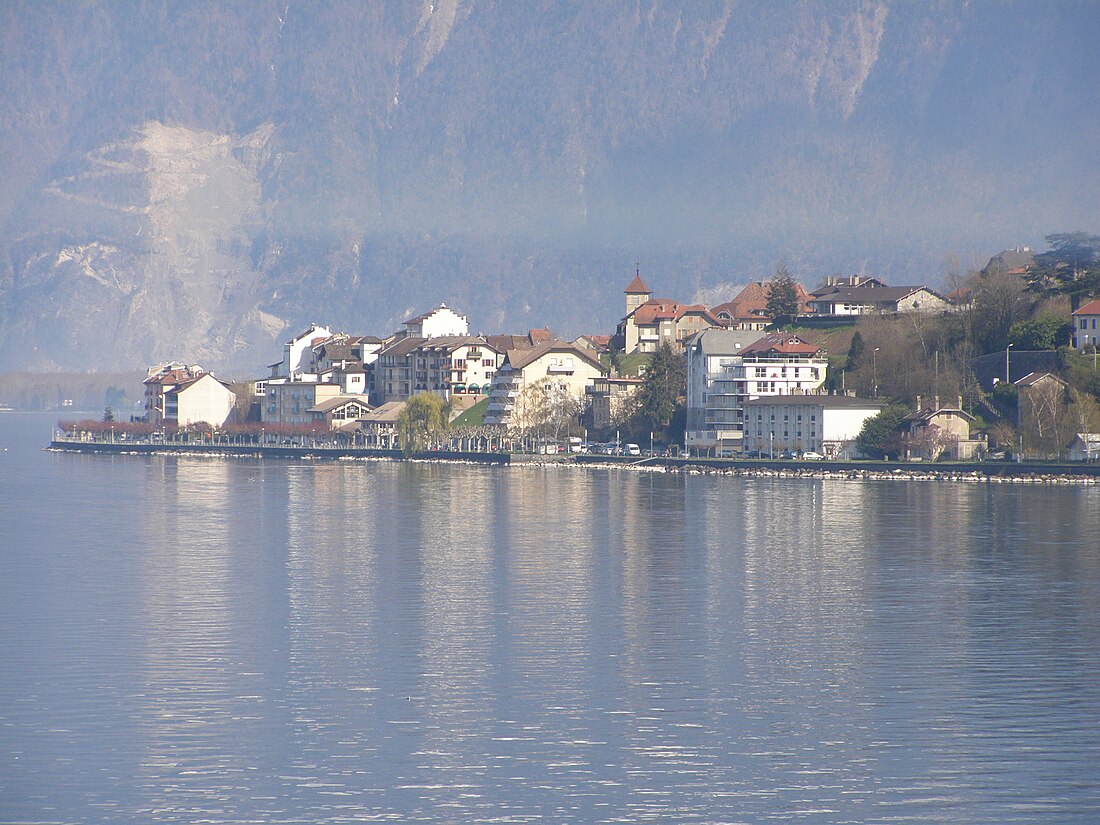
[(782, 305), (1043, 332), (1071, 267), (855, 351), (879, 436), (662, 394)]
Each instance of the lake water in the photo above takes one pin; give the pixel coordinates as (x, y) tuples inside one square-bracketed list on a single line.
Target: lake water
[(188, 639)]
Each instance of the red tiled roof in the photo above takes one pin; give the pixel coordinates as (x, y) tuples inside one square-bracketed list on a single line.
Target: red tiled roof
[(657, 309), (637, 287), (781, 342), (752, 302), (1091, 308)]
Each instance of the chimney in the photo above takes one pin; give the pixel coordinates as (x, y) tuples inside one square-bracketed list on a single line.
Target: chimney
[(937, 403), (960, 402), (918, 403)]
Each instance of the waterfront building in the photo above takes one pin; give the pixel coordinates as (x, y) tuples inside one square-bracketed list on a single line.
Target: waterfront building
[(941, 429), (569, 367), (825, 424), (708, 355), (458, 367), (775, 364), (298, 352), (289, 400), (436, 323), (379, 426), (185, 395), (650, 322), (607, 398), (340, 412), (1085, 447)]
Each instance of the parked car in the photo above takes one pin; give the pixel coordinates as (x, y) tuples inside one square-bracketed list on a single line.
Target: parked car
[(810, 455), (632, 449)]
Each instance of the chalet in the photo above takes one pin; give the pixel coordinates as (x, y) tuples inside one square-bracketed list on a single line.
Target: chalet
[(340, 412)]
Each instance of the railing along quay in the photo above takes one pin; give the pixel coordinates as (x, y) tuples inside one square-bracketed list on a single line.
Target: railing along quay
[(314, 448)]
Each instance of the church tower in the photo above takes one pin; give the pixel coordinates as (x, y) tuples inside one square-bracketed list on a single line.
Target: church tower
[(637, 293)]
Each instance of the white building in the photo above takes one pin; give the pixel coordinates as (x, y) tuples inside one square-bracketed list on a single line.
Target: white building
[(708, 355), (298, 352), (826, 424), (186, 395), (871, 296), (776, 364), (1086, 325), (436, 323), (1085, 447)]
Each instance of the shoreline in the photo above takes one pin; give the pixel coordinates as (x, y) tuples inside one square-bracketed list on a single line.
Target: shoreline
[(971, 472)]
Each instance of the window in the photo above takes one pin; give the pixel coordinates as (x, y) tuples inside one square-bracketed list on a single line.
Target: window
[(487, 362)]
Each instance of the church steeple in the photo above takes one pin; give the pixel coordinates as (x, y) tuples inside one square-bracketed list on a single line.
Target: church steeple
[(637, 293)]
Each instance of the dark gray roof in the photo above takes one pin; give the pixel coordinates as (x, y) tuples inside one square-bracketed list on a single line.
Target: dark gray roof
[(872, 295), (715, 341)]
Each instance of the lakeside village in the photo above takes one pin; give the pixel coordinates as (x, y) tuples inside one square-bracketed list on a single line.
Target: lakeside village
[(1004, 366)]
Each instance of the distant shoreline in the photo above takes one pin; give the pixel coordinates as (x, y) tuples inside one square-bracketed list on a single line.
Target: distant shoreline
[(990, 471)]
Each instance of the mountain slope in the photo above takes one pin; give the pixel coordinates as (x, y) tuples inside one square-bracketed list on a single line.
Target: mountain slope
[(195, 180)]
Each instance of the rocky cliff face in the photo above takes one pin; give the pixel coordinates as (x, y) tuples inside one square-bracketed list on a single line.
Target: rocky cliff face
[(195, 181)]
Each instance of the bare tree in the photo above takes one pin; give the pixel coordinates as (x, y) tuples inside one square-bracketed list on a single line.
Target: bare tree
[(545, 407)]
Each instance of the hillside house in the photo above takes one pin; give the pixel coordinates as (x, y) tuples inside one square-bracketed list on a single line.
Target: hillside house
[(749, 309), (1086, 325)]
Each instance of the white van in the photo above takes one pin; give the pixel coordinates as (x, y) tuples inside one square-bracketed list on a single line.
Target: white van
[(632, 449)]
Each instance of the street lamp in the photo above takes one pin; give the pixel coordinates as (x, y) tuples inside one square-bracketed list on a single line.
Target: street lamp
[(874, 372)]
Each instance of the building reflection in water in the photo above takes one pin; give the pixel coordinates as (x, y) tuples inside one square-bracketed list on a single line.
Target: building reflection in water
[(206, 661)]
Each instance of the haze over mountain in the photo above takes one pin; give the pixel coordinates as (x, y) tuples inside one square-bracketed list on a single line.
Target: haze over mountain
[(198, 180)]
